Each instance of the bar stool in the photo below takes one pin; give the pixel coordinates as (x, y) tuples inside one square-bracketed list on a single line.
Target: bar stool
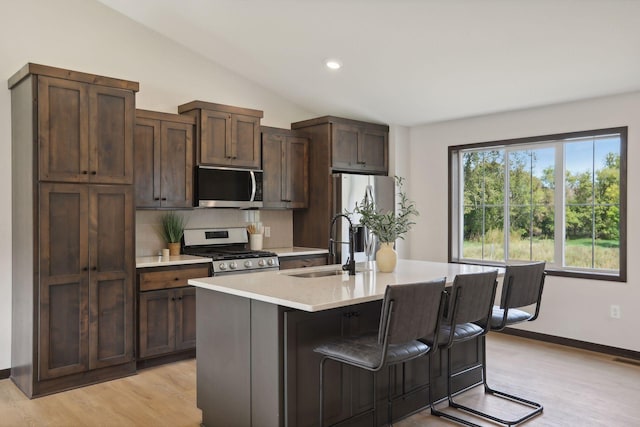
[(409, 312), (522, 287), (470, 309)]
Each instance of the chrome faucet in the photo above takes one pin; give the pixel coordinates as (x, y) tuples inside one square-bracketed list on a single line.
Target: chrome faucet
[(350, 265)]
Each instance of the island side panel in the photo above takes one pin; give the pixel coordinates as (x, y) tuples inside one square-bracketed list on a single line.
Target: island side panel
[(223, 363), (267, 383)]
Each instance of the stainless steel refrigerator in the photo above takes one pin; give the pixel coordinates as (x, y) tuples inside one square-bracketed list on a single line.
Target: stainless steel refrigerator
[(352, 188)]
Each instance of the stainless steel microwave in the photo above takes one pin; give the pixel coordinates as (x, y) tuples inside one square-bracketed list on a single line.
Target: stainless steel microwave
[(220, 187)]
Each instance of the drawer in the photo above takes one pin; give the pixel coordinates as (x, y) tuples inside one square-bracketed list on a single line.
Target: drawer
[(170, 278)]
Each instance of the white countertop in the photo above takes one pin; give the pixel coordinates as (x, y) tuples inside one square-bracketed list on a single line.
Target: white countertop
[(297, 251), (339, 290), (162, 261)]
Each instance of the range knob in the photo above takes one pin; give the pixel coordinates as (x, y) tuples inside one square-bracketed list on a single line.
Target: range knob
[(271, 261), (262, 263), (233, 265), (248, 264), (223, 266)]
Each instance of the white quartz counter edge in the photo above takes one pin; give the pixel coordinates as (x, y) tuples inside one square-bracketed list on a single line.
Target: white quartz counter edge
[(162, 261), (297, 251), (338, 290)]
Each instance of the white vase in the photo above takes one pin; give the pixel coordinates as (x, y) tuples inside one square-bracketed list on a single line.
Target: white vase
[(386, 257)]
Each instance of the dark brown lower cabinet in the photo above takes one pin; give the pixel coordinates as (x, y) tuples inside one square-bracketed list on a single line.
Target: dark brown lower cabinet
[(167, 309), (167, 321), (86, 278), (84, 300)]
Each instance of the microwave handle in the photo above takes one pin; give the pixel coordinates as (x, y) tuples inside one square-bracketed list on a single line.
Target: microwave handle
[(253, 186)]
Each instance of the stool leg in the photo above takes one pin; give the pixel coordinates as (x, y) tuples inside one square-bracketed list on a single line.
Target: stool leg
[(536, 407), (452, 404), (389, 417), (375, 418), (324, 359)]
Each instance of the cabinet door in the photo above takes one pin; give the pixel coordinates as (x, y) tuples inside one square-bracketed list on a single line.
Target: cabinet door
[(215, 138), (362, 319), (176, 164), (245, 141), (304, 332), (64, 288), (63, 129), (111, 261), (111, 120), (147, 163), (185, 318), (373, 150), (296, 175), (344, 146), (272, 165), (156, 323)]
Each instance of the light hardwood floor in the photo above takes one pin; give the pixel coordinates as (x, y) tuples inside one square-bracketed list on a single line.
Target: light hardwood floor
[(577, 388)]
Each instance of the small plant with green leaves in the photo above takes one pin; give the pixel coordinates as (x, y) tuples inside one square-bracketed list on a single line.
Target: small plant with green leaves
[(388, 226), (171, 227)]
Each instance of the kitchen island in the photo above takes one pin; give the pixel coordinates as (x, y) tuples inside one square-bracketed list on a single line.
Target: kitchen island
[(256, 334)]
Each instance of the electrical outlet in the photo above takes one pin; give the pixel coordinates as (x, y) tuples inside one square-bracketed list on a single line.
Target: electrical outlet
[(614, 311), (267, 232)]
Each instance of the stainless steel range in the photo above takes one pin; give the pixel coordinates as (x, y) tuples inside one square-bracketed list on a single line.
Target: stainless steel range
[(228, 249)]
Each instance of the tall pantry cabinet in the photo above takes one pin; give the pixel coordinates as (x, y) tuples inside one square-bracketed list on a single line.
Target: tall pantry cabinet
[(73, 233)]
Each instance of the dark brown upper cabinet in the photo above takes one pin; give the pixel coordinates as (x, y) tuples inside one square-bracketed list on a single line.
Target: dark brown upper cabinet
[(85, 132), (353, 146), (163, 153), (285, 162), (225, 135), (335, 145)]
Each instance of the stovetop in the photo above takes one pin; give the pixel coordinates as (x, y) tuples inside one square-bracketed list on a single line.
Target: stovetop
[(227, 247), (218, 253)]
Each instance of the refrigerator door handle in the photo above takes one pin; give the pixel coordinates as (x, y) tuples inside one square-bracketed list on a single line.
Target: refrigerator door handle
[(369, 239)]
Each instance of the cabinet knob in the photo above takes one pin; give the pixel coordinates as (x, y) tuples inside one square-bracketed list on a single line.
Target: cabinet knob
[(163, 199), (176, 278), (179, 298), (173, 298), (94, 268), (85, 172), (85, 269), (94, 173), (156, 198)]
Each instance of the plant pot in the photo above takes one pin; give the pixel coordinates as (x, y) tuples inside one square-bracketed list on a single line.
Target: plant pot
[(386, 257), (174, 248)]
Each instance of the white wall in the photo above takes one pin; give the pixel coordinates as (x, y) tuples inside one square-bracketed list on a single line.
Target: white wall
[(571, 308), (85, 35)]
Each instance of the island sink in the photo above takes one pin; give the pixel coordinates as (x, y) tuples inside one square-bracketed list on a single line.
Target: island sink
[(312, 274)]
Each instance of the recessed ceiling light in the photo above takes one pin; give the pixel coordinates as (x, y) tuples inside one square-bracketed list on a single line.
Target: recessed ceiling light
[(333, 64)]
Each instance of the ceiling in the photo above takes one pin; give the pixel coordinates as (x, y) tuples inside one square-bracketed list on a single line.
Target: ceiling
[(410, 62)]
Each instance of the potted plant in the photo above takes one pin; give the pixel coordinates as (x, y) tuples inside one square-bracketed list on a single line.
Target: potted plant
[(171, 230), (388, 226)]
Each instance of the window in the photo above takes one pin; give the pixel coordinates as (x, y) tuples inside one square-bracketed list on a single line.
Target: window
[(557, 198)]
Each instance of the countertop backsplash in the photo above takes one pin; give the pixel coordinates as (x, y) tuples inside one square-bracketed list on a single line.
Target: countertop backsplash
[(280, 222)]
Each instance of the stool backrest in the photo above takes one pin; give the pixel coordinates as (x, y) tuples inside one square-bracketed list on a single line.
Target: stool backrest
[(410, 311), (472, 297), (522, 285)]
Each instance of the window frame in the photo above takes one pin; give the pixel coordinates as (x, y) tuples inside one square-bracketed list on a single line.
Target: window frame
[(454, 199)]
